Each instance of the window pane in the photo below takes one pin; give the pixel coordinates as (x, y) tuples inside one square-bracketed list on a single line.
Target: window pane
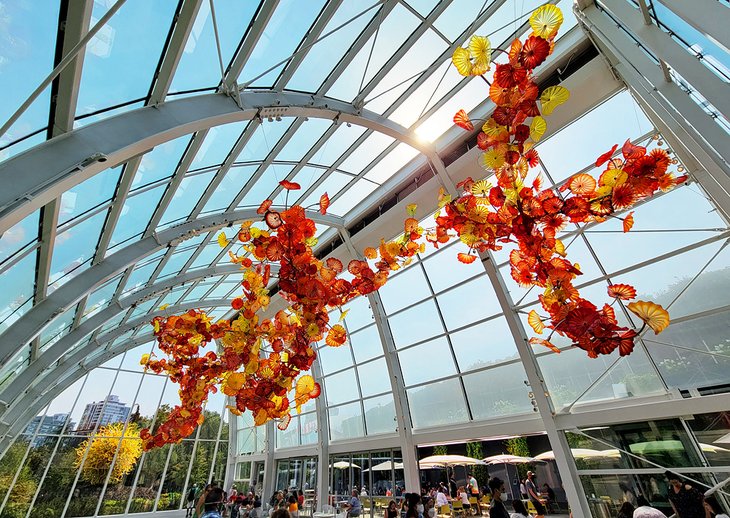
[(346, 422), (380, 415), (341, 387), (374, 377), (437, 404), (431, 360), (415, 324), (509, 398)]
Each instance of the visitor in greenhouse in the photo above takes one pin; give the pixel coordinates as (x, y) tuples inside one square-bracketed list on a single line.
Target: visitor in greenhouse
[(687, 501), (280, 513), (190, 499), (644, 510), (530, 485), (212, 504), (520, 510), (497, 508), (626, 510), (293, 506), (473, 487), (713, 507), (353, 507), (464, 497), (441, 497), (392, 510), (255, 511)]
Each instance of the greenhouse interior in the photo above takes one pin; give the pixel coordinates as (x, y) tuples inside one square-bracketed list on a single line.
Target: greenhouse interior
[(341, 258)]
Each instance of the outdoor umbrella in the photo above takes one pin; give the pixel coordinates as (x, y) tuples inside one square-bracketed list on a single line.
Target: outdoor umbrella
[(344, 465), (385, 466), (450, 460), (509, 459), (581, 453)]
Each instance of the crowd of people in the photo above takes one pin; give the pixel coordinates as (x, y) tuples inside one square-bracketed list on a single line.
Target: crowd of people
[(212, 501)]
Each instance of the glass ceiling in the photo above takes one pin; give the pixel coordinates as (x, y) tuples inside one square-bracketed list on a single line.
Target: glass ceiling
[(391, 58)]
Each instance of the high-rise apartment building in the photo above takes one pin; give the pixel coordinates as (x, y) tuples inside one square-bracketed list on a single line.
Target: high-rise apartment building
[(107, 411)]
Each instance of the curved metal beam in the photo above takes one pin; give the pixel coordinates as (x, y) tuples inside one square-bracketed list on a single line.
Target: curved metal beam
[(41, 174), (41, 315), (30, 403), (68, 342)]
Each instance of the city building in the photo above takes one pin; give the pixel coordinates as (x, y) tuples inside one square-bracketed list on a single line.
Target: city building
[(100, 413), (42, 426)]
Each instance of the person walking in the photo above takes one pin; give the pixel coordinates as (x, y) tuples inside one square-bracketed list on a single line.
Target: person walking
[(532, 494), (497, 508), (686, 501)]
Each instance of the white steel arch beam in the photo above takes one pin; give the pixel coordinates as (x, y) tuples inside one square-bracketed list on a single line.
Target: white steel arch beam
[(34, 400), (69, 342), (39, 175), (707, 16), (40, 316)]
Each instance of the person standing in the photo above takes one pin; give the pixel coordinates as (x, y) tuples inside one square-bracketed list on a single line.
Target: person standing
[(686, 501), (644, 510), (497, 508), (474, 488), (532, 494)]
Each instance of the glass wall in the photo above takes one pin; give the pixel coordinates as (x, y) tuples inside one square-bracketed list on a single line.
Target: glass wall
[(377, 475), (82, 455), (617, 463)]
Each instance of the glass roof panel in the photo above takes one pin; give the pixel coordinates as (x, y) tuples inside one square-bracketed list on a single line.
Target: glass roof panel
[(341, 387), (230, 186), (140, 275), (511, 398), (380, 415), (18, 285), (100, 298), (332, 184), (197, 293), (359, 314), (438, 404), (264, 186), (160, 162), (303, 140), (346, 422), (207, 256), (457, 17), (223, 289), (27, 46), (391, 35), (58, 328), (422, 6), (588, 137), (175, 263), (334, 359), (417, 59), (366, 343), (483, 344), (284, 32), (442, 119), (265, 137), (121, 59), (469, 302), (373, 376), (337, 144), (443, 273), (217, 144), (431, 360), (417, 323), (392, 163), (430, 90), (135, 215), (73, 249), (324, 56), (404, 289), (351, 196), (199, 66), (19, 236), (185, 198), (88, 194)]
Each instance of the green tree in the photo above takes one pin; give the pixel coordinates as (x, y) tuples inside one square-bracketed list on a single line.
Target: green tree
[(440, 450), (474, 450), (518, 446)]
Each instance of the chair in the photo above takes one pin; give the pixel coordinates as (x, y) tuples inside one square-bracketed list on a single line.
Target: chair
[(531, 508), (444, 510), (457, 507), (486, 499)]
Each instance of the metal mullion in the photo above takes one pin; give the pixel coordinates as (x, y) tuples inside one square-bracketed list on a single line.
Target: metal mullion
[(162, 479), (65, 88), (217, 442), (178, 176), (238, 147), (88, 447), (267, 162), (357, 45), (11, 486), (199, 250), (117, 204), (248, 43), (424, 20), (196, 441), (307, 43), (405, 47), (55, 447), (144, 454), (185, 18), (168, 255), (446, 55), (121, 439), (48, 231), (305, 162), (19, 256)]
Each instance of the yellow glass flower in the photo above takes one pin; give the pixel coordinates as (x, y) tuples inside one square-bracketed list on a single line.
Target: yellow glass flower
[(546, 21), (538, 126), (552, 97)]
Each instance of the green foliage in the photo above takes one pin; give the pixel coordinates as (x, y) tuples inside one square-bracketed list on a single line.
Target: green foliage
[(474, 450), (518, 446), (441, 450)]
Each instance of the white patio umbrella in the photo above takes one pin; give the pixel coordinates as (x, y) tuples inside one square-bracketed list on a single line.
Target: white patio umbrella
[(581, 453), (385, 466), (343, 465), (449, 460), (509, 459)]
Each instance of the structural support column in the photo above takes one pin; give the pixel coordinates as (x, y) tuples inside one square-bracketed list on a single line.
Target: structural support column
[(402, 412), (323, 450), (269, 467)]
